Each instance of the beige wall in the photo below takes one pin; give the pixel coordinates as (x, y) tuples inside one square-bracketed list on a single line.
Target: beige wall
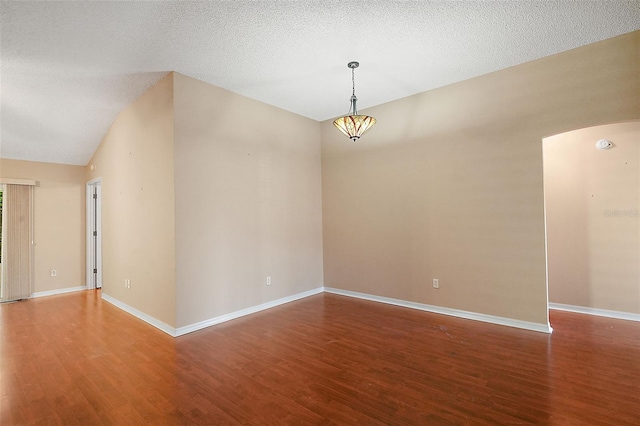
[(449, 183), (59, 221), (592, 203), (135, 162), (248, 202)]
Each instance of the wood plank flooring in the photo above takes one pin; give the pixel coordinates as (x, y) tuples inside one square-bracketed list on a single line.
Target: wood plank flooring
[(77, 360)]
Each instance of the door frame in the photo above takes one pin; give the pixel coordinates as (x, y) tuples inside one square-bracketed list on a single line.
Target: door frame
[(94, 251)]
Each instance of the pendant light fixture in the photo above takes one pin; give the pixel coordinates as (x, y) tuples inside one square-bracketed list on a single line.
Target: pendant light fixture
[(354, 125)]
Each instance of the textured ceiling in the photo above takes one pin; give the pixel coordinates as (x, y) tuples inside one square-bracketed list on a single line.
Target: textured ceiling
[(68, 68)]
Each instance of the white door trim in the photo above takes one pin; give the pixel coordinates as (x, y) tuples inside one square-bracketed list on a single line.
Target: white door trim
[(94, 215)]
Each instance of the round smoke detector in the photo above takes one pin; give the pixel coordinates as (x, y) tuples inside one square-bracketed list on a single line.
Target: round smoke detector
[(604, 144)]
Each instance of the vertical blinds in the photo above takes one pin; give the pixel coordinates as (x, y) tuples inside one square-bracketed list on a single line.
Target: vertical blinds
[(17, 236)]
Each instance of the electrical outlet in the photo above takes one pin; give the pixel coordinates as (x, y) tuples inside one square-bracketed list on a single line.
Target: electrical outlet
[(436, 284), (54, 273), (127, 283), (268, 280)]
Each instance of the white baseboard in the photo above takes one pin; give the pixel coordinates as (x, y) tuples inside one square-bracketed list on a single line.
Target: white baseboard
[(594, 311), (446, 311), (58, 291), (248, 311), (175, 332), (140, 315)]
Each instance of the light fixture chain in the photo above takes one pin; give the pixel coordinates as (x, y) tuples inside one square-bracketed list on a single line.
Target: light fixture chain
[(353, 81)]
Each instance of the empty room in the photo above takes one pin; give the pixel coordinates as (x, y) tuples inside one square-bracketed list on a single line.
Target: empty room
[(320, 212)]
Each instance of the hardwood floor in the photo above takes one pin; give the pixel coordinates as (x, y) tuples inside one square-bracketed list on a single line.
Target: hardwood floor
[(76, 360)]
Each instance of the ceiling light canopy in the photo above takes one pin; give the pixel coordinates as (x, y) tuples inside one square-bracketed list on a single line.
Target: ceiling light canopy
[(354, 125)]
